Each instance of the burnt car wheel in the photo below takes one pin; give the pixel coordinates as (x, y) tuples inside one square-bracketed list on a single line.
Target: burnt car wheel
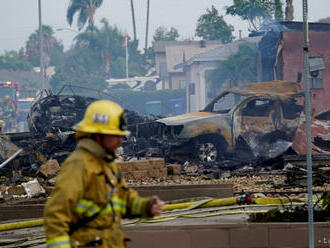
[(208, 149)]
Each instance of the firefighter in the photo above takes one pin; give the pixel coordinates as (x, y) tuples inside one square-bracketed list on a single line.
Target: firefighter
[(2, 126), (91, 196), (7, 111), (7, 148)]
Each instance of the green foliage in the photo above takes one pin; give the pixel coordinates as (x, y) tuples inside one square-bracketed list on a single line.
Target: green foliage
[(97, 55), (118, 67), (108, 45), (290, 214), (81, 67), (149, 57), (52, 49), (212, 26), (324, 20), (106, 42), (137, 64), (85, 10), (278, 10), (14, 61), (238, 68), (253, 11), (162, 33)]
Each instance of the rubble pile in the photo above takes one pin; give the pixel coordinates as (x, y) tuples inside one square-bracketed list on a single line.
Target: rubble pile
[(40, 185), (153, 153), (155, 172), (57, 113)]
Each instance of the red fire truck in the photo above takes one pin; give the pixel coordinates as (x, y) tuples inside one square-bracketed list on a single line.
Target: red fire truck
[(8, 88)]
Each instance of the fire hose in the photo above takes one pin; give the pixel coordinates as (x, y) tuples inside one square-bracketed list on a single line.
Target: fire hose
[(218, 204)]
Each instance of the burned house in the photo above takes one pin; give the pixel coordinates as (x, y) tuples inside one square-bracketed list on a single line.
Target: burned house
[(282, 58), (281, 50)]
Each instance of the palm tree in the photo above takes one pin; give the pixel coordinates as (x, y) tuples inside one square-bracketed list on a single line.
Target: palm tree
[(85, 9), (104, 41), (50, 43), (289, 11), (133, 19)]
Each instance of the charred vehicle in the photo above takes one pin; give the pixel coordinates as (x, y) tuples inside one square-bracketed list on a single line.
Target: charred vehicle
[(252, 121), (50, 136)]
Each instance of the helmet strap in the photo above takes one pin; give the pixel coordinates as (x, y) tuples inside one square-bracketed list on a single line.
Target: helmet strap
[(98, 138)]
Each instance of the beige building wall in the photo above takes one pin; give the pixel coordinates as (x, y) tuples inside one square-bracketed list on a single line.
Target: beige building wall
[(178, 81)]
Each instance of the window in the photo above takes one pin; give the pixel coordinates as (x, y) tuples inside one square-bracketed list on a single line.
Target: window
[(291, 110), (226, 103), (258, 107), (316, 67), (182, 84)]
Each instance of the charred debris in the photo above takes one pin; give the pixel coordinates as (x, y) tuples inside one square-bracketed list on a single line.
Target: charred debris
[(243, 130)]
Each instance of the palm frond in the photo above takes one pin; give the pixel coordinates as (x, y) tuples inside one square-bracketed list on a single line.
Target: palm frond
[(98, 3), (73, 8), (82, 18)]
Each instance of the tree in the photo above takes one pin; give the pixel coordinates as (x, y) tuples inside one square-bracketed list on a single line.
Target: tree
[(289, 10), (239, 67), (253, 11), (162, 33), (52, 49), (106, 42), (324, 20), (97, 54), (278, 11), (81, 67), (13, 61), (212, 26), (85, 9)]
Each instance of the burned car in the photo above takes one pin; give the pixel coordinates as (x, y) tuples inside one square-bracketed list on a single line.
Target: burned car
[(246, 122)]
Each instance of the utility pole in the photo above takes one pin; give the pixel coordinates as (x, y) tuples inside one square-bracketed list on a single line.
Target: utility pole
[(147, 26), (41, 47), (289, 11), (133, 19), (308, 128), (126, 52)]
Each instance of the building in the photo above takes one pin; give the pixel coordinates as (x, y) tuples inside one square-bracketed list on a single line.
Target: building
[(283, 58), (168, 54), (199, 89)]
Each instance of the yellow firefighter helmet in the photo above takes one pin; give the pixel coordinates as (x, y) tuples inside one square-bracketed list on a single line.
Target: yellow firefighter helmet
[(104, 117), (2, 123)]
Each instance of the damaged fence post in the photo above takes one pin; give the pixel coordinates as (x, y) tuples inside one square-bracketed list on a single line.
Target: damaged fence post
[(11, 158)]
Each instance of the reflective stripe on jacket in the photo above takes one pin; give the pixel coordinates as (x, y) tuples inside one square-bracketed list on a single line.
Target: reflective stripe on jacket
[(87, 184)]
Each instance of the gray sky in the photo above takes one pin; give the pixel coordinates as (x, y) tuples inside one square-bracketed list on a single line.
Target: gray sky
[(19, 18)]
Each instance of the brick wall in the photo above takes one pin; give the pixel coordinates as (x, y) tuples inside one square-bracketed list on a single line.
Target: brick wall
[(249, 235)]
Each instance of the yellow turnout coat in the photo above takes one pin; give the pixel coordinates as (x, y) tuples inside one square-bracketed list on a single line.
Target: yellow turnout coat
[(88, 185)]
